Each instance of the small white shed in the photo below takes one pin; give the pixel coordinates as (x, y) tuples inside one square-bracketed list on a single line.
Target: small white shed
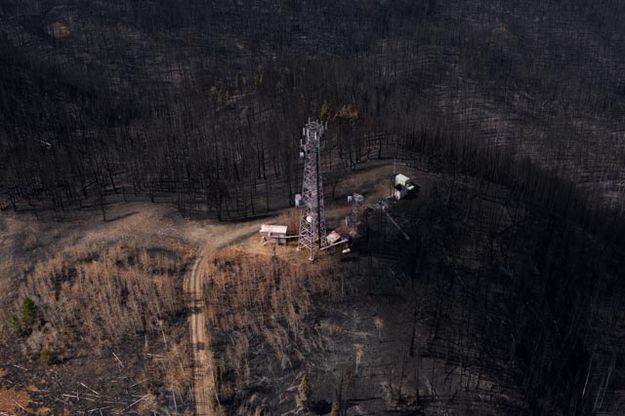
[(274, 233), (404, 181)]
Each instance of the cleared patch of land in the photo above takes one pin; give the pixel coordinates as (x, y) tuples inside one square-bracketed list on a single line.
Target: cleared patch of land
[(110, 298), (110, 309)]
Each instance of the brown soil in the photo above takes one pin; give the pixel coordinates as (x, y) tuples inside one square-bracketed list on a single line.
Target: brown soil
[(14, 401)]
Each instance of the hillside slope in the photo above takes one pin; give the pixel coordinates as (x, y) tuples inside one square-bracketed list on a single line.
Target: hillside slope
[(164, 97)]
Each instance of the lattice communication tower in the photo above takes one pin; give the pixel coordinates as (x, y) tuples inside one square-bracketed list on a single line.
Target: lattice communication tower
[(312, 229)]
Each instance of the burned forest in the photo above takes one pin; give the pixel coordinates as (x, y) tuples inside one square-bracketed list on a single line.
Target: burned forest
[(345, 208)]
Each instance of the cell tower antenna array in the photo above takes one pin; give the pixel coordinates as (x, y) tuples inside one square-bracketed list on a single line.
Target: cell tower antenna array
[(312, 229)]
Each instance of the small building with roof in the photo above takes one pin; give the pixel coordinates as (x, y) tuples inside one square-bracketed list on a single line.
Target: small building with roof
[(273, 233)]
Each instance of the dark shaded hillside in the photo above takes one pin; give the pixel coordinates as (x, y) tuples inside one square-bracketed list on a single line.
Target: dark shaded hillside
[(528, 297), (204, 101)]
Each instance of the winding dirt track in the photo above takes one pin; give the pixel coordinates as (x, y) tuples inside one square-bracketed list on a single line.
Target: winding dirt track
[(218, 237), (197, 323)]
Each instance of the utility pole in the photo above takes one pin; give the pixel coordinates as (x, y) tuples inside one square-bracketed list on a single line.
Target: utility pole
[(312, 229)]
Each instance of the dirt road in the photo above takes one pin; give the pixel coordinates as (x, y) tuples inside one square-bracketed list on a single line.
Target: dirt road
[(197, 328), (217, 236)]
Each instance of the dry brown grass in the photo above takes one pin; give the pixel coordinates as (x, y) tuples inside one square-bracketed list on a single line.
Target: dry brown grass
[(290, 218), (178, 369), (12, 401), (257, 306), (101, 294)]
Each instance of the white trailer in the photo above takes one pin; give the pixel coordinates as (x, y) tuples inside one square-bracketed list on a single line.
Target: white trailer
[(404, 181)]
